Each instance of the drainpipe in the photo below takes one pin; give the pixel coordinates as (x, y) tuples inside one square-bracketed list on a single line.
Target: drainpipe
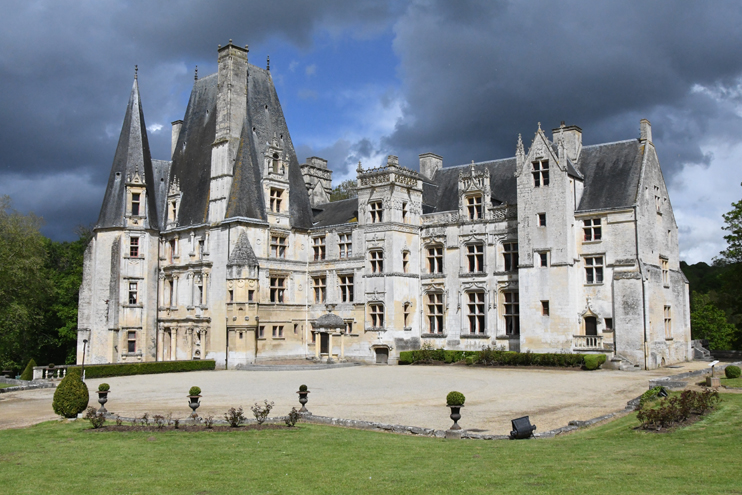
[(226, 354), (644, 299), (306, 305)]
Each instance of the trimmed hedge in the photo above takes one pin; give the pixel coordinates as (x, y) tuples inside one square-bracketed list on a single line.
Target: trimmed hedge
[(71, 396), (28, 372), (105, 370), (492, 357), (732, 371)]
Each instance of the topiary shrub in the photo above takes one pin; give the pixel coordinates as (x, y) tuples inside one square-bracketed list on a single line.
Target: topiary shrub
[(469, 360), (302, 388), (194, 391), (71, 396), (104, 387), (593, 361), (28, 371), (405, 357), (455, 399), (732, 371)]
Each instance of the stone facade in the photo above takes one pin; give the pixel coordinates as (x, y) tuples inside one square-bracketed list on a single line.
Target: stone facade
[(232, 251)]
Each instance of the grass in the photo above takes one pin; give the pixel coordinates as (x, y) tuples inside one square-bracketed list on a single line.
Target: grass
[(58, 457), (6, 385), (732, 382)]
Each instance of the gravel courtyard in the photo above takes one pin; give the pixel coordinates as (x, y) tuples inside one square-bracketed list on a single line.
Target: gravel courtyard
[(408, 395)]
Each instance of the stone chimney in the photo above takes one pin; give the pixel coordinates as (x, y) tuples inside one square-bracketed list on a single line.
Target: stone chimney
[(572, 136), (318, 179), (430, 163), (645, 130), (175, 135)]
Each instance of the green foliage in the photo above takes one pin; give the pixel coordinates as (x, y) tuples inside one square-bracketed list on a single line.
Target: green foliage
[(732, 371), (106, 370), (676, 409), (234, 417), (344, 190), (71, 396), (649, 396), (302, 388), (455, 399), (470, 360), (96, 419), (194, 391), (594, 361), (292, 417), (710, 323), (104, 387), (489, 356), (28, 371)]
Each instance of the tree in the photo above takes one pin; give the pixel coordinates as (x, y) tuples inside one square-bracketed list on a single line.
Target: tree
[(24, 285), (710, 323), (344, 190), (731, 294)]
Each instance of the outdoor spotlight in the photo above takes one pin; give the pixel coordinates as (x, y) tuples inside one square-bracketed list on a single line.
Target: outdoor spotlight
[(522, 428)]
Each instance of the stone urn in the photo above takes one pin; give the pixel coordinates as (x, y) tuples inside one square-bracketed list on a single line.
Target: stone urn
[(193, 404), (455, 416), (102, 399), (303, 399)]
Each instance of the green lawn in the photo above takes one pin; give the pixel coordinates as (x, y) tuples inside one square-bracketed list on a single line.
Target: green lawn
[(5, 385), (61, 458), (732, 382)]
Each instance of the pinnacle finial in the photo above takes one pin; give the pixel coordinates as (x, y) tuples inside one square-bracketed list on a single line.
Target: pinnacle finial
[(195, 76), (539, 126), (268, 63), (136, 72), (230, 41), (360, 168)]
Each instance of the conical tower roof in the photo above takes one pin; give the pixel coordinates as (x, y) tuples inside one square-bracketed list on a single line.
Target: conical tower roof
[(132, 164)]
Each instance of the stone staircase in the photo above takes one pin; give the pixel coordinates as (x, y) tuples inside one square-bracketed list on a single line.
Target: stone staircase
[(618, 362), (700, 352)]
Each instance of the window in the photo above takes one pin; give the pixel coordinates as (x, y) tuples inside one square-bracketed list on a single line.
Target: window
[(134, 247), (274, 162), (476, 312), (668, 323), (319, 248), (275, 200), (201, 249), (199, 294), (133, 293), (377, 261), (277, 331), (296, 328), (657, 199), (665, 272), (475, 257), (545, 308), (591, 325), (348, 327), (376, 312), (261, 332), (250, 295), (406, 315), (609, 324), (592, 229), (377, 211), (512, 313), (320, 289), (405, 261), (172, 249), (346, 288), (540, 173), (135, 197), (345, 245), (172, 210), (543, 259), (231, 295), (404, 212), (474, 207), (170, 292), (435, 259), (277, 289), (435, 313), (594, 270), (278, 246), (510, 256), (131, 340), (542, 219)]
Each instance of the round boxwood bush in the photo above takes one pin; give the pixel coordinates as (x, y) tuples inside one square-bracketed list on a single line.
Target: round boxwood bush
[(194, 391), (71, 396), (732, 371), (28, 372), (593, 361), (455, 399), (302, 388), (104, 387)]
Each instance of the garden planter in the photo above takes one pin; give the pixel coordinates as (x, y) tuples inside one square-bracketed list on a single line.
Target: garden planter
[(455, 416), (303, 399), (102, 399), (193, 404)]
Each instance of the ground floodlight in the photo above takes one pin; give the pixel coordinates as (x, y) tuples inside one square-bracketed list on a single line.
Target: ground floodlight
[(522, 428)]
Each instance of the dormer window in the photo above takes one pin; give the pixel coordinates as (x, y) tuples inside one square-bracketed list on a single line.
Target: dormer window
[(540, 173), (593, 229), (377, 211), (135, 198), (474, 206), (172, 210), (274, 163), (275, 199)]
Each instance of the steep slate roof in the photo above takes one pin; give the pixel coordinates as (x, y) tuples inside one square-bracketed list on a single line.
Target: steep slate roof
[(132, 156), (161, 171), (611, 173), (243, 254), (192, 157), (336, 212), (503, 186)]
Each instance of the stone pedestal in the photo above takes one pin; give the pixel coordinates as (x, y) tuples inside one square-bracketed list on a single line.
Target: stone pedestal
[(453, 434), (713, 381)]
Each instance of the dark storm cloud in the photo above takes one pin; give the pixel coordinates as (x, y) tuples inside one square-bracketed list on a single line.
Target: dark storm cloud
[(67, 67), (478, 73)]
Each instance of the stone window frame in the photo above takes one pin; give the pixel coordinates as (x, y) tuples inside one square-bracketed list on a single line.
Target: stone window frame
[(133, 293), (540, 172), (279, 244), (376, 210), (277, 288), (436, 259), (275, 199), (346, 284), (541, 219), (474, 206), (136, 203), (134, 246), (376, 314), (667, 318), (319, 286), (665, 270), (592, 229), (376, 258), (405, 261), (406, 313), (475, 259), (511, 312), (510, 256), (131, 341), (319, 247), (435, 311), (476, 311), (594, 269), (545, 310), (277, 331), (345, 245), (543, 257)]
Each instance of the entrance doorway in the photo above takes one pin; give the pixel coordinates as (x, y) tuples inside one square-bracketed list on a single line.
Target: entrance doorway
[(382, 355), (324, 343), (591, 325)]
